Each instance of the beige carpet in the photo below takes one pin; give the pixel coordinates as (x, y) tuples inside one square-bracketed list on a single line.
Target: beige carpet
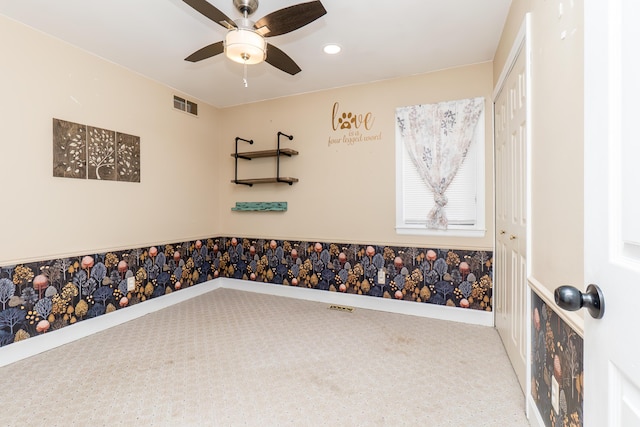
[(233, 358)]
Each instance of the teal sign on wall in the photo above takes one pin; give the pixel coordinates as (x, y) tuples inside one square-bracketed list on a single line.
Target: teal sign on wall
[(260, 206)]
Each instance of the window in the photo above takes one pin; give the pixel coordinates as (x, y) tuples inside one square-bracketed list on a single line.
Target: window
[(415, 199)]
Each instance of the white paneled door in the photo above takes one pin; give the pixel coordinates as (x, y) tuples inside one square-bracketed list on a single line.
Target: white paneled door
[(612, 211), (510, 298)]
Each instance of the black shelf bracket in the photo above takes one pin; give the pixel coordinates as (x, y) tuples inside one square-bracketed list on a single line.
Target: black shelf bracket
[(250, 141), (278, 157)]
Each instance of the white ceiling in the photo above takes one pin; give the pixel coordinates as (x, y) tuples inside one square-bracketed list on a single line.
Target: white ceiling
[(380, 39)]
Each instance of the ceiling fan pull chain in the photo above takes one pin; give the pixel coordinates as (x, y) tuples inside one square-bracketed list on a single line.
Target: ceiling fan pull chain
[(244, 80)]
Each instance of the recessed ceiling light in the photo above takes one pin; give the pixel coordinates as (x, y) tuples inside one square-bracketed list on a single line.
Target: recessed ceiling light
[(332, 49)]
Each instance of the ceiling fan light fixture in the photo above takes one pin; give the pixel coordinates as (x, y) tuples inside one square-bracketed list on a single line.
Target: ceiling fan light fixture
[(245, 46), (332, 49)]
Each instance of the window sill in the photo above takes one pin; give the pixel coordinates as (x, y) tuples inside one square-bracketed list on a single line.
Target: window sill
[(452, 232)]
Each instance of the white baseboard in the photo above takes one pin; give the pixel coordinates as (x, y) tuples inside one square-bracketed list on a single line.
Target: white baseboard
[(454, 314), (30, 347), (535, 419)]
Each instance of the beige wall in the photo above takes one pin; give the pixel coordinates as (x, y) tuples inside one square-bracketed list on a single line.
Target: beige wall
[(557, 137), (346, 192), (43, 217)]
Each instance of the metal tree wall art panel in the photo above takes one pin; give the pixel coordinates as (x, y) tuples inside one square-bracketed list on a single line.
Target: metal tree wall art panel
[(81, 151), (101, 154), (69, 149), (128, 163)]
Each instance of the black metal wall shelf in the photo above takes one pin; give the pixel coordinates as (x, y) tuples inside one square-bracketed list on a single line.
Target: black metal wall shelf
[(248, 155)]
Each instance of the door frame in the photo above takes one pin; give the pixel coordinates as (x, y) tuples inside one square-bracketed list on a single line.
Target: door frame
[(522, 41)]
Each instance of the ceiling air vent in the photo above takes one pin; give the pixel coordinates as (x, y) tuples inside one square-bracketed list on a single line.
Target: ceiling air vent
[(185, 105)]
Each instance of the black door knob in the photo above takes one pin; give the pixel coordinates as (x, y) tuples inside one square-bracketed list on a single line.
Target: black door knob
[(570, 298)]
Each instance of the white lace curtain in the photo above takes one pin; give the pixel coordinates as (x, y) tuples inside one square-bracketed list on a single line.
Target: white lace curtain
[(437, 138)]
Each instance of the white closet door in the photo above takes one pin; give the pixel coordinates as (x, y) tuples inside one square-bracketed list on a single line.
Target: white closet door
[(511, 215)]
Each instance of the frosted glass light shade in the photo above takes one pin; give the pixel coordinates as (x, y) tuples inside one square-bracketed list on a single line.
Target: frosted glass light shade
[(245, 46)]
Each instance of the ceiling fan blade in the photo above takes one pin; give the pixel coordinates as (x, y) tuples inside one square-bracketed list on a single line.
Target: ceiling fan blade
[(206, 52), (281, 60), (211, 12), (290, 18)]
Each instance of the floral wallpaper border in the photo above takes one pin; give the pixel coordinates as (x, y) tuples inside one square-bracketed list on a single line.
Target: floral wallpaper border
[(556, 355), (42, 296)]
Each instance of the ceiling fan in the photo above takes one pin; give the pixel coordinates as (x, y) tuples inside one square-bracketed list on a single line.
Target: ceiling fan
[(244, 42)]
